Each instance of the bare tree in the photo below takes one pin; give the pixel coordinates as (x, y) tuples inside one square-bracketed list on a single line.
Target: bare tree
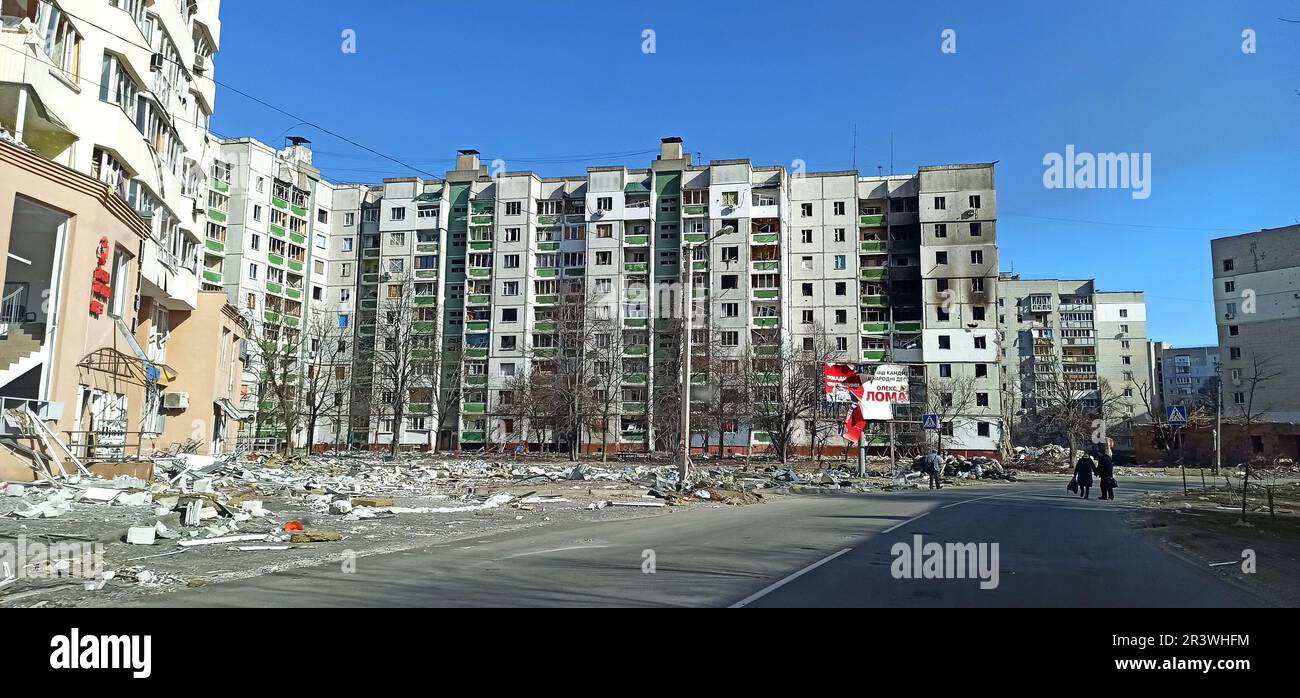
[(404, 359), (276, 361), (1066, 407), (948, 398), (787, 382), (606, 343), (1249, 408), (327, 362)]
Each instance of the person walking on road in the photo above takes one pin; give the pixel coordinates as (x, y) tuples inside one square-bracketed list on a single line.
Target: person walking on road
[(1105, 470), (932, 463), (1083, 474)]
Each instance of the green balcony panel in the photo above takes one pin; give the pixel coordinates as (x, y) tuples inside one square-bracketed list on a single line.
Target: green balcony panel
[(547, 220), (767, 294), (279, 203), (476, 381), (421, 354), (871, 220), (295, 265), (695, 237), (426, 273), (424, 327), (293, 293), (575, 271), (277, 231), (767, 322), (632, 436), (472, 437), (634, 267), (370, 253), (875, 327), (907, 326), (548, 273), (479, 299), (874, 354), (633, 407), (271, 317), (366, 329), (298, 239), (546, 326), (636, 240), (426, 300), (546, 352), (548, 246), (634, 378), (275, 259), (547, 300), (873, 273), (216, 215), (636, 350), (272, 287), (695, 209), (636, 323), (875, 301), (478, 273), (760, 437), (370, 304), (766, 238), (220, 185), (481, 220), (767, 265), (481, 245), (700, 266), (427, 247), (215, 245), (476, 353), (419, 408), (212, 277), (290, 320), (873, 246), (476, 327)]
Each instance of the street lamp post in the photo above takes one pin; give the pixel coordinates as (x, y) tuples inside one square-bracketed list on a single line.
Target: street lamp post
[(688, 306)]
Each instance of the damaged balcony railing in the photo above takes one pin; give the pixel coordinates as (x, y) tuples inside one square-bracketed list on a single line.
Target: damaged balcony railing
[(13, 308), (109, 445)]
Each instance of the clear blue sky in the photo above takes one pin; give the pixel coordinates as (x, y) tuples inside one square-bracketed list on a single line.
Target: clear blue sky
[(555, 86)]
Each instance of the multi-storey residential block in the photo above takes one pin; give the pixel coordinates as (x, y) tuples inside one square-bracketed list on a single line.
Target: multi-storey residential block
[(1187, 374), (1257, 310), (1066, 330)]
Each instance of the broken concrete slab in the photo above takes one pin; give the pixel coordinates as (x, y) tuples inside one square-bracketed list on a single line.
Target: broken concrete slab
[(141, 535), (372, 502), (340, 506), (223, 539), (316, 537)]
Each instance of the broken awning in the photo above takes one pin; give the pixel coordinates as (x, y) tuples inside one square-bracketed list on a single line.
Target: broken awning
[(230, 409), (635, 188), (161, 374), (427, 198)]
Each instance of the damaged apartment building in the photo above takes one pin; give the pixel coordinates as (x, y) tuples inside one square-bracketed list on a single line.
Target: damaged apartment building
[(110, 343), (472, 276)]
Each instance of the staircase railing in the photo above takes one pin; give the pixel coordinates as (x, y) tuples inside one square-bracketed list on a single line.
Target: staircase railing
[(12, 308)]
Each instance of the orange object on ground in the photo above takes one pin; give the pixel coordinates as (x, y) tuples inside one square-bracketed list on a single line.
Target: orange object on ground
[(293, 526)]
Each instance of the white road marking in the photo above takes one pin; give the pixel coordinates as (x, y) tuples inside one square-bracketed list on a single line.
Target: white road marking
[(968, 501), (552, 550), (769, 589), (901, 524)]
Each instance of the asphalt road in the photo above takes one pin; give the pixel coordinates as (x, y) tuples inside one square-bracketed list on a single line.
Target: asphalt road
[(807, 551)]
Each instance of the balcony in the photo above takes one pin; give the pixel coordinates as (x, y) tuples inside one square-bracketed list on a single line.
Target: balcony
[(634, 267), (548, 219), (636, 350), (479, 273), (636, 240), (478, 299), (875, 300), (212, 277), (874, 246), (633, 323), (472, 437), (907, 327), (633, 407), (873, 354), (875, 327), (766, 265), (766, 322), (873, 273), (476, 326), (546, 300), (695, 210), (476, 353), (634, 378), (766, 294), (548, 246), (215, 246), (871, 221)]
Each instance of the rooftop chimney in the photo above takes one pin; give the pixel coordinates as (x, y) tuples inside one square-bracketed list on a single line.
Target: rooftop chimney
[(670, 148), (467, 160)]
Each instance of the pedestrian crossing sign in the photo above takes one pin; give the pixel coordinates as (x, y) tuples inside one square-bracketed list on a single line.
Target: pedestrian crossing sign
[(1176, 415), (930, 421)]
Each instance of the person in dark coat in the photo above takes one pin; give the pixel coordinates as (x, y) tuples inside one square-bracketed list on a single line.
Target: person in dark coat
[(1105, 470), (932, 463), (1083, 474)]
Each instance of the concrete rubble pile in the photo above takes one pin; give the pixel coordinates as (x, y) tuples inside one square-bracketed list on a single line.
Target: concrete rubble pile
[(1049, 459)]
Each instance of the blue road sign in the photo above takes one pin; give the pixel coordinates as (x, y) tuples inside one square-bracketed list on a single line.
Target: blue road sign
[(1176, 415), (930, 421)]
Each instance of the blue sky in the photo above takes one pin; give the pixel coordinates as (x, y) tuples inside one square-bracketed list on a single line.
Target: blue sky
[(556, 86)]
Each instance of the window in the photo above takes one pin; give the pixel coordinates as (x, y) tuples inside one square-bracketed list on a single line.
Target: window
[(257, 212), (940, 257), (320, 241), (945, 370), (396, 239), (842, 343), (807, 262), (806, 235), (509, 342), (945, 342), (805, 210), (345, 269), (1123, 329), (841, 288), (1227, 265), (349, 219), (807, 343), (396, 266), (839, 235), (840, 262), (982, 428), (730, 254), (255, 242), (730, 198), (838, 208), (1126, 360), (977, 256), (605, 203), (941, 284), (981, 370), (975, 201), (1234, 330), (941, 315), (370, 215), (807, 317), (604, 258), (730, 310), (1123, 344), (507, 370), (317, 293), (976, 230), (510, 288), (941, 230), (1229, 286), (322, 216), (978, 312), (512, 235), (807, 290), (604, 230), (940, 203), (730, 339), (509, 315), (977, 285), (252, 301), (981, 399), (252, 271), (345, 295), (514, 208), (510, 261), (1239, 398), (397, 214), (981, 342), (343, 321), (1234, 353), (730, 281), (841, 317)]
